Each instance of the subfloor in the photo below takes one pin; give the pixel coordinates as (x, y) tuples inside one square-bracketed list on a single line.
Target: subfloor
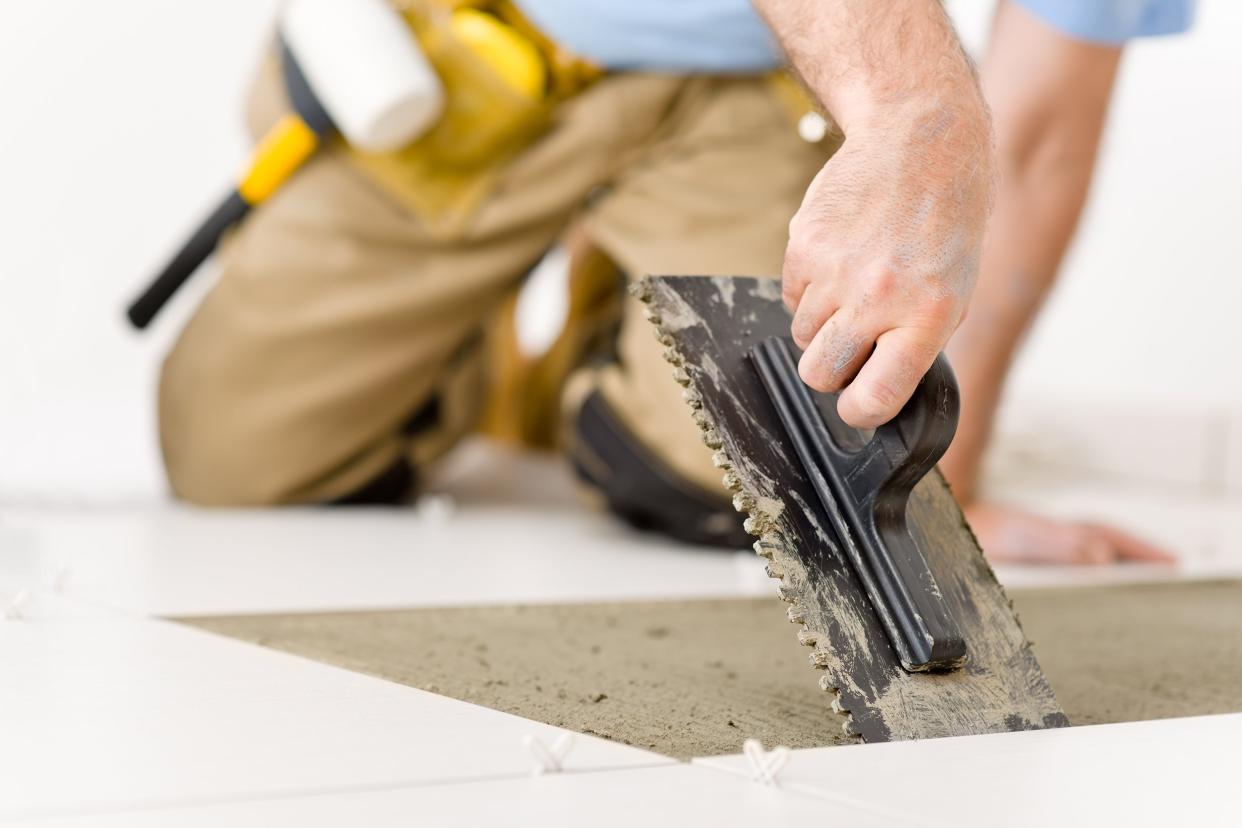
[(688, 678)]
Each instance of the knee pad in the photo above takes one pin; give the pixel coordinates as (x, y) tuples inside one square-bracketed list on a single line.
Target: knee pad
[(641, 489)]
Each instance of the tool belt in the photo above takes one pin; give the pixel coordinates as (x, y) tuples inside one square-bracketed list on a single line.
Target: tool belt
[(487, 120), (499, 81)]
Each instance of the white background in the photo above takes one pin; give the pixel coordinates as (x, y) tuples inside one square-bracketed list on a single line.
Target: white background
[(120, 126)]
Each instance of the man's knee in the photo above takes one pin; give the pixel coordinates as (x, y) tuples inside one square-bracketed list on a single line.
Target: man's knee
[(225, 447), (206, 460)]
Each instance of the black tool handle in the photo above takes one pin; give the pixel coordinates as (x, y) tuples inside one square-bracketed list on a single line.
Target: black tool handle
[(192, 254), (188, 258), (864, 492)]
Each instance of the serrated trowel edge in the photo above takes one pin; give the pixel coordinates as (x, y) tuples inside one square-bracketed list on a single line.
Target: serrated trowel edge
[(759, 522)]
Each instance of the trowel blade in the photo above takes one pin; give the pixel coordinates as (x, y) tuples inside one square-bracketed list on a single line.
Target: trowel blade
[(707, 324)]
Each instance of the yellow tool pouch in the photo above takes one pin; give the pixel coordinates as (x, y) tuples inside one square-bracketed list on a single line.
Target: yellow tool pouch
[(496, 102)]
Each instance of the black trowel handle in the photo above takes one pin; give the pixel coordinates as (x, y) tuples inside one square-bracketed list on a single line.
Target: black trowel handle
[(863, 489)]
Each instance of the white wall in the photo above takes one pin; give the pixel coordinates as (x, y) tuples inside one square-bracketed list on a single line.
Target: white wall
[(119, 126)]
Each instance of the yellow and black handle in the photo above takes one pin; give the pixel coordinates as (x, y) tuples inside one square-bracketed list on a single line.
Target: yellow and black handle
[(494, 54), (288, 145)]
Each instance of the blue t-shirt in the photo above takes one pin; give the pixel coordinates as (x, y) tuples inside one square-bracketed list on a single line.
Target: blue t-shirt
[(729, 36), (1113, 21)]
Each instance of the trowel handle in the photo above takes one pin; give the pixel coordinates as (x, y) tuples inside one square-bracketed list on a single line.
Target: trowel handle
[(922, 431), (863, 494)]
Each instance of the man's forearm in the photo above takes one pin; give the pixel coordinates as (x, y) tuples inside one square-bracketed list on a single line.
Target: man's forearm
[(884, 251), (864, 59), (1050, 94)]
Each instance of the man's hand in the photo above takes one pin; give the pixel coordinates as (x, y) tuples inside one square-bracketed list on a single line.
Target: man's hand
[(884, 251), (1013, 536)]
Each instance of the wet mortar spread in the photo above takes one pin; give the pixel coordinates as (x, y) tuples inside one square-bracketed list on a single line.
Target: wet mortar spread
[(696, 678)]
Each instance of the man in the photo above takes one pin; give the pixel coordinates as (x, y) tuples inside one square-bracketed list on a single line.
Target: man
[(1048, 75), (339, 352)]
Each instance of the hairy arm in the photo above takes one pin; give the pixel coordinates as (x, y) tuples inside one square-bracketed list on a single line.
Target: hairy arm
[(1050, 96), (883, 253)]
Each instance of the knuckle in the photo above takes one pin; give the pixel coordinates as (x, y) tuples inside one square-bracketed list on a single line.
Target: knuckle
[(940, 311), (810, 376), (801, 244), (914, 355), (800, 225), (813, 374), (793, 276), (789, 292), (878, 401), (843, 351), (831, 384), (803, 329), (915, 362), (882, 283)]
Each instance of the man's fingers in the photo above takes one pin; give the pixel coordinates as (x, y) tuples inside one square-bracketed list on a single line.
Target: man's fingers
[(801, 262), (791, 292), (1009, 535), (814, 309), (888, 378), (835, 354), (1095, 551), (1127, 547)]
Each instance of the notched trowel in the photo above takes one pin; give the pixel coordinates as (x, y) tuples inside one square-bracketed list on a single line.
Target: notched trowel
[(914, 634)]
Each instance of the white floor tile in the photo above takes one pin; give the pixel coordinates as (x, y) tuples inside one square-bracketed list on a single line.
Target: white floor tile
[(21, 603), (38, 592), (129, 712), (506, 527), (517, 533), (175, 560), (678, 795), (1159, 773)]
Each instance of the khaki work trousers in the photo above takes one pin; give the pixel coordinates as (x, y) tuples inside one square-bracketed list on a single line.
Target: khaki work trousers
[(339, 316)]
